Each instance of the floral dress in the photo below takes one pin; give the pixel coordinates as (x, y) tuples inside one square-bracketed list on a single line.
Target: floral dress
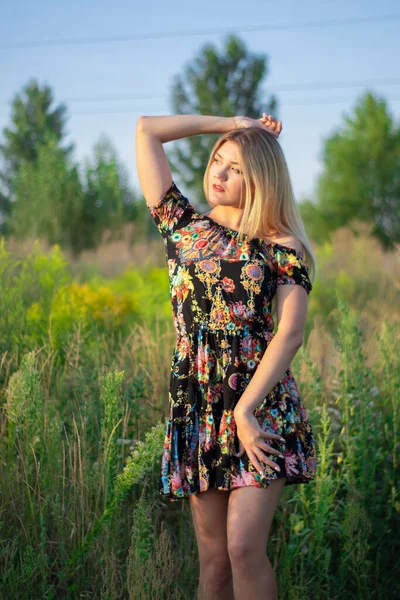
[(221, 291)]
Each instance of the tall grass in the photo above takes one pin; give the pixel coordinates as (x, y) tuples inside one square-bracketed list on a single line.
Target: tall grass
[(83, 398)]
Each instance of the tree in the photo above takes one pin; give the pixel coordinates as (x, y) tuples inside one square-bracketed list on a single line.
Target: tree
[(109, 199), (33, 121), (49, 199), (316, 220), (361, 177), (225, 84)]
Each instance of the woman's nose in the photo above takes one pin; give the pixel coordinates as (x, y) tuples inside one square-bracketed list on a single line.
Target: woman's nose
[(220, 174)]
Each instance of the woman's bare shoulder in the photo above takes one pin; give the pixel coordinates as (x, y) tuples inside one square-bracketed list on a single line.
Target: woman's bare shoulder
[(289, 240)]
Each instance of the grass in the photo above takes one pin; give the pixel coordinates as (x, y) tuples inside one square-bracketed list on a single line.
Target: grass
[(83, 402)]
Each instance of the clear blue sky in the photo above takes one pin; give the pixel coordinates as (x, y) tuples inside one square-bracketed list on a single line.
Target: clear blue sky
[(336, 54)]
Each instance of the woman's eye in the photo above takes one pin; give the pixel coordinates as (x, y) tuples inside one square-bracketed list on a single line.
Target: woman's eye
[(236, 170)]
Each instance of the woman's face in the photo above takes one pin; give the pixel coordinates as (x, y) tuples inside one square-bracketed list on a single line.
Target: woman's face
[(225, 172)]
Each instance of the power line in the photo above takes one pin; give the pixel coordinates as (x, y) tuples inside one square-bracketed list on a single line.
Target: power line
[(289, 87), (313, 102), (304, 102), (207, 32)]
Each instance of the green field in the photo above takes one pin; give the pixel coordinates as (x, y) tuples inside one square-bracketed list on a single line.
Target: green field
[(85, 351)]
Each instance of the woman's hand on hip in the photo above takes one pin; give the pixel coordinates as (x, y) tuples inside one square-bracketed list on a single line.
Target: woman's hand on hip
[(253, 440), (266, 122)]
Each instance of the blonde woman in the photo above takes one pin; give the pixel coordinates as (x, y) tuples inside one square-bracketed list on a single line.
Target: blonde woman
[(236, 420)]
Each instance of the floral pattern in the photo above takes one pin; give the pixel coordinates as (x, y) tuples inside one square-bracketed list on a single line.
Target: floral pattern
[(221, 292)]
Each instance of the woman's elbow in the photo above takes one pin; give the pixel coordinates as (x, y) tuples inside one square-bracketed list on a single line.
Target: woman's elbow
[(140, 123), (293, 335)]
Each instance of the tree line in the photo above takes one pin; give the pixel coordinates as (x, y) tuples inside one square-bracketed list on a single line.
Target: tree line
[(45, 194)]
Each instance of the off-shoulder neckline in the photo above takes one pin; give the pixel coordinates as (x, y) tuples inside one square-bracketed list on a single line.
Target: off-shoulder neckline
[(235, 232)]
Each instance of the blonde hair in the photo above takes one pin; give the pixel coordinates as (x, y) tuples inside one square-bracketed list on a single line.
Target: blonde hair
[(270, 205)]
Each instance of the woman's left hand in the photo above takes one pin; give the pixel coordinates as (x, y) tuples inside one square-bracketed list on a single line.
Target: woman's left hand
[(254, 441), (267, 122)]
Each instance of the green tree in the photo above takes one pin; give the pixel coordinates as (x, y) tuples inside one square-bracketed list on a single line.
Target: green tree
[(109, 200), (361, 176), (33, 120), (49, 199), (224, 84)]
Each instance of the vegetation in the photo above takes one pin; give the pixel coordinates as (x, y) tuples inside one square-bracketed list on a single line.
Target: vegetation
[(359, 179), (216, 83), (86, 338), (84, 372)]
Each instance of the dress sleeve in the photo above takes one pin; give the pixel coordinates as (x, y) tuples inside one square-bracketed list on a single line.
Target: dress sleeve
[(291, 268), (171, 211)]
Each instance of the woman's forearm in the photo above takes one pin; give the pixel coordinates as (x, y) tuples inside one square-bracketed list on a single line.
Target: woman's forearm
[(273, 365), (174, 127)]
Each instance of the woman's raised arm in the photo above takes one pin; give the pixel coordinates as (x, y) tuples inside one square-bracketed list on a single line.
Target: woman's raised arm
[(152, 132)]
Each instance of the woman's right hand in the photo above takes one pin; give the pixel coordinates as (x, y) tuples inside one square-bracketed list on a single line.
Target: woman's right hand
[(266, 122)]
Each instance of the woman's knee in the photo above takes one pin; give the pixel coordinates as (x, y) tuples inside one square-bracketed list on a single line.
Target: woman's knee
[(243, 549), (248, 530), (216, 566), (209, 513)]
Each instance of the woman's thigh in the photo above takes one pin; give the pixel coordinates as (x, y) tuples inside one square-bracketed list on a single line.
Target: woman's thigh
[(209, 512), (250, 514)]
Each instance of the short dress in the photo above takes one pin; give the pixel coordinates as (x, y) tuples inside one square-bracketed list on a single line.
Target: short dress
[(221, 291)]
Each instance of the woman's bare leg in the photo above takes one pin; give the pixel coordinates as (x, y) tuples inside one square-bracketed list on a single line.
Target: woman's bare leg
[(209, 512), (250, 514)]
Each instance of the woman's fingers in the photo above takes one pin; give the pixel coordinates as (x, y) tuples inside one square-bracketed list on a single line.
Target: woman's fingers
[(273, 126), (241, 450), (262, 445), (272, 123), (258, 458), (256, 454), (256, 442)]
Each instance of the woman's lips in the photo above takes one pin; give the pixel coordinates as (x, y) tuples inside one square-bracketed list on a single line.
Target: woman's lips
[(218, 188)]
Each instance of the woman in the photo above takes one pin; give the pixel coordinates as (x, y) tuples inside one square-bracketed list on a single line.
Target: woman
[(236, 420)]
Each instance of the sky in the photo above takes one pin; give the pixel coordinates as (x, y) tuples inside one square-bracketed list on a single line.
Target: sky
[(344, 48)]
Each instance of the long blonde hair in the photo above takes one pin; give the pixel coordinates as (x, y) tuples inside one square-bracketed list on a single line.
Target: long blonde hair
[(270, 205)]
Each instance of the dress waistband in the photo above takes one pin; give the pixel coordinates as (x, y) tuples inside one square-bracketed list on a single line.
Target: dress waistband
[(253, 328)]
